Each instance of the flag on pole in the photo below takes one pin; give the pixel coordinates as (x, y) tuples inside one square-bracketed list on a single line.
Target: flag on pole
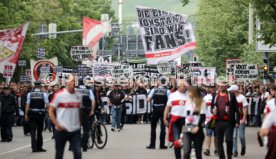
[(11, 41)]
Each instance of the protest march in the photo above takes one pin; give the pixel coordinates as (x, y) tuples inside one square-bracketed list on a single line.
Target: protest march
[(90, 92)]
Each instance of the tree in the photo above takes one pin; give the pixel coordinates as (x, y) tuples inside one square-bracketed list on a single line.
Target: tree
[(67, 14), (266, 12), (221, 31)]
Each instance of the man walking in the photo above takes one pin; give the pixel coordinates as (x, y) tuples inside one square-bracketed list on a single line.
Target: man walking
[(226, 109), (67, 105)]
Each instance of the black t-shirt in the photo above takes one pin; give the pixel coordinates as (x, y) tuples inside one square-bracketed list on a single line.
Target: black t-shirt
[(116, 96)]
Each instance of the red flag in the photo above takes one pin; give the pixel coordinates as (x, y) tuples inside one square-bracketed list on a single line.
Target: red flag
[(11, 41), (93, 31)]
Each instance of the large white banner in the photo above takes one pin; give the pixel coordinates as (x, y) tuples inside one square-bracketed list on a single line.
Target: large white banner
[(165, 35), (11, 41)]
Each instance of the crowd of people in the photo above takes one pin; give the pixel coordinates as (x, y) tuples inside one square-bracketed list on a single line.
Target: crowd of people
[(192, 114)]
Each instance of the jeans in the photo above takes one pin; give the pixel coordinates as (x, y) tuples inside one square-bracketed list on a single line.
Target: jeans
[(7, 121), (241, 132), (157, 115), (197, 140), (116, 117), (224, 129), (75, 143), (177, 128)]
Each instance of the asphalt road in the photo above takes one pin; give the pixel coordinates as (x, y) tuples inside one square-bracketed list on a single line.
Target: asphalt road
[(129, 143)]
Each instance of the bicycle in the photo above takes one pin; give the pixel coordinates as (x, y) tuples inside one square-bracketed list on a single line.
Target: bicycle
[(97, 134)]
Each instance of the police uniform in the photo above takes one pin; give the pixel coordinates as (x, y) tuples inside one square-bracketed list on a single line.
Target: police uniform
[(36, 101), (160, 97), (87, 98)]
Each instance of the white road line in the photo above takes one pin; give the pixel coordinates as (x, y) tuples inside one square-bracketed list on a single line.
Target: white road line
[(3, 153)]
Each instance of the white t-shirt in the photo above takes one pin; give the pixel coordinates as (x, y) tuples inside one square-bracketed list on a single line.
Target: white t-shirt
[(265, 95), (270, 121), (242, 102), (190, 106), (67, 109), (208, 101), (177, 102), (270, 106)]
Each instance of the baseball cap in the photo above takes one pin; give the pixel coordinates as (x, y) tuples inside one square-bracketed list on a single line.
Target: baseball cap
[(233, 88)]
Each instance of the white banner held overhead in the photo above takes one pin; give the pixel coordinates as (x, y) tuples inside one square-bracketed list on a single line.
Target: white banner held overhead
[(229, 66), (165, 35), (103, 69)]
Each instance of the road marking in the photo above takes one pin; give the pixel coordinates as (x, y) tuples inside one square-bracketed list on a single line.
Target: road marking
[(3, 153)]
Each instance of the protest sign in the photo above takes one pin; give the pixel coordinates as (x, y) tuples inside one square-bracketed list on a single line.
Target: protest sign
[(40, 53), (244, 72), (82, 70), (43, 69), (28, 72), (21, 62), (104, 59), (165, 35), (25, 78), (80, 53), (167, 68), (184, 71), (229, 64), (103, 69), (122, 71), (138, 68), (203, 76)]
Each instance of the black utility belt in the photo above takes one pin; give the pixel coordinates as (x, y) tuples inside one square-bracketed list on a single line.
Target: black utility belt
[(36, 112)]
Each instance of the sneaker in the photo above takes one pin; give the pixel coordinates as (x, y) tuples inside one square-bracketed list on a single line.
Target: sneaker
[(243, 151), (9, 140), (118, 130), (235, 154), (216, 153), (112, 129), (3, 140), (150, 147), (207, 152)]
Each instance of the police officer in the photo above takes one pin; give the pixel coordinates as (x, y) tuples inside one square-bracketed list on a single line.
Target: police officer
[(35, 113), (88, 108), (159, 96), (8, 108)]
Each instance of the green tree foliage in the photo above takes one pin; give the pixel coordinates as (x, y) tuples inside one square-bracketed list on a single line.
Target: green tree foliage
[(266, 12), (221, 31), (67, 14)]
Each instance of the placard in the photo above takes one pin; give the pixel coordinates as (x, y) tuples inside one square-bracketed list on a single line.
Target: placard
[(21, 62), (25, 78), (203, 76), (104, 59), (244, 72), (103, 69), (40, 53), (82, 70), (122, 71), (80, 53)]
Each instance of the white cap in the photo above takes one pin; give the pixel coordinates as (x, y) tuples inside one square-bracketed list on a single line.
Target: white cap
[(233, 88)]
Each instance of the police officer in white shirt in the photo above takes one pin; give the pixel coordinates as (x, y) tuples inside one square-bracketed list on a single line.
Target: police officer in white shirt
[(35, 113)]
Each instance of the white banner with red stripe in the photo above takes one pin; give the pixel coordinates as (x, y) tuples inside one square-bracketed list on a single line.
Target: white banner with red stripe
[(11, 41), (165, 35)]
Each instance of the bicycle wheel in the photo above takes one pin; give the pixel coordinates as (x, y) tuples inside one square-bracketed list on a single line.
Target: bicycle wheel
[(91, 141), (101, 136)]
